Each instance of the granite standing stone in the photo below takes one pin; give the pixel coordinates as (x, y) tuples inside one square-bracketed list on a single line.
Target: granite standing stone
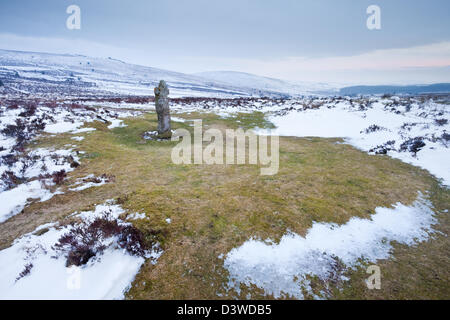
[(162, 110)]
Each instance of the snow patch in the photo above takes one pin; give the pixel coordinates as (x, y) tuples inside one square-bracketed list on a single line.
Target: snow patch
[(105, 277), (395, 124), (13, 201), (136, 216), (117, 123), (89, 182), (62, 127), (282, 269), (176, 119)]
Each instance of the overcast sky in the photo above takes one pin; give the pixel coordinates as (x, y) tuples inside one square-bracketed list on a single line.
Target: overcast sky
[(314, 40)]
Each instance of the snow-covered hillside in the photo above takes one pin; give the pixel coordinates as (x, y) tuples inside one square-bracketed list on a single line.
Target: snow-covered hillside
[(247, 80), (41, 73)]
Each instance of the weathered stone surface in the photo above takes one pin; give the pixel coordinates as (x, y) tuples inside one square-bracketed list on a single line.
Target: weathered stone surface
[(162, 109)]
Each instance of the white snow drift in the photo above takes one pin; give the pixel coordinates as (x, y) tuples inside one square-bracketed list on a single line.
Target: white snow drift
[(282, 269), (105, 277), (13, 201), (88, 182), (395, 120), (42, 162)]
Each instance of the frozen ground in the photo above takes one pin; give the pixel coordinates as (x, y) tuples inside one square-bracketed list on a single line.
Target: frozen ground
[(283, 269), (413, 129), (90, 181), (34, 267), (47, 94), (34, 174), (14, 200)]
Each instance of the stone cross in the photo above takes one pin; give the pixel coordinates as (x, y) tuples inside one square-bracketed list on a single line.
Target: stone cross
[(162, 110)]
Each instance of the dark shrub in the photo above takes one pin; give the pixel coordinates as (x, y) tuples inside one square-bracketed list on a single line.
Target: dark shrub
[(73, 163), (373, 128), (58, 177), (441, 122), (87, 239), (28, 112), (131, 239), (10, 179), (408, 125), (13, 130), (26, 271), (80, 256), (10, 159), (384, 148), (108, 177), (413, 145), (23, 131), (12, 106)]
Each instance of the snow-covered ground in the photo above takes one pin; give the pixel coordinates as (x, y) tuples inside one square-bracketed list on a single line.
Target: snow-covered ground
[(33, 174), (405, 128), (89, 182), (14, 200), (247, 80), (413, 129), (283, 269), (226, 107), (34, 268)]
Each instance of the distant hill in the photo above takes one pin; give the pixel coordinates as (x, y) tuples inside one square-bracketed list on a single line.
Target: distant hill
[(248, 80), (416, 89), (70, 74), (37, 72)]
